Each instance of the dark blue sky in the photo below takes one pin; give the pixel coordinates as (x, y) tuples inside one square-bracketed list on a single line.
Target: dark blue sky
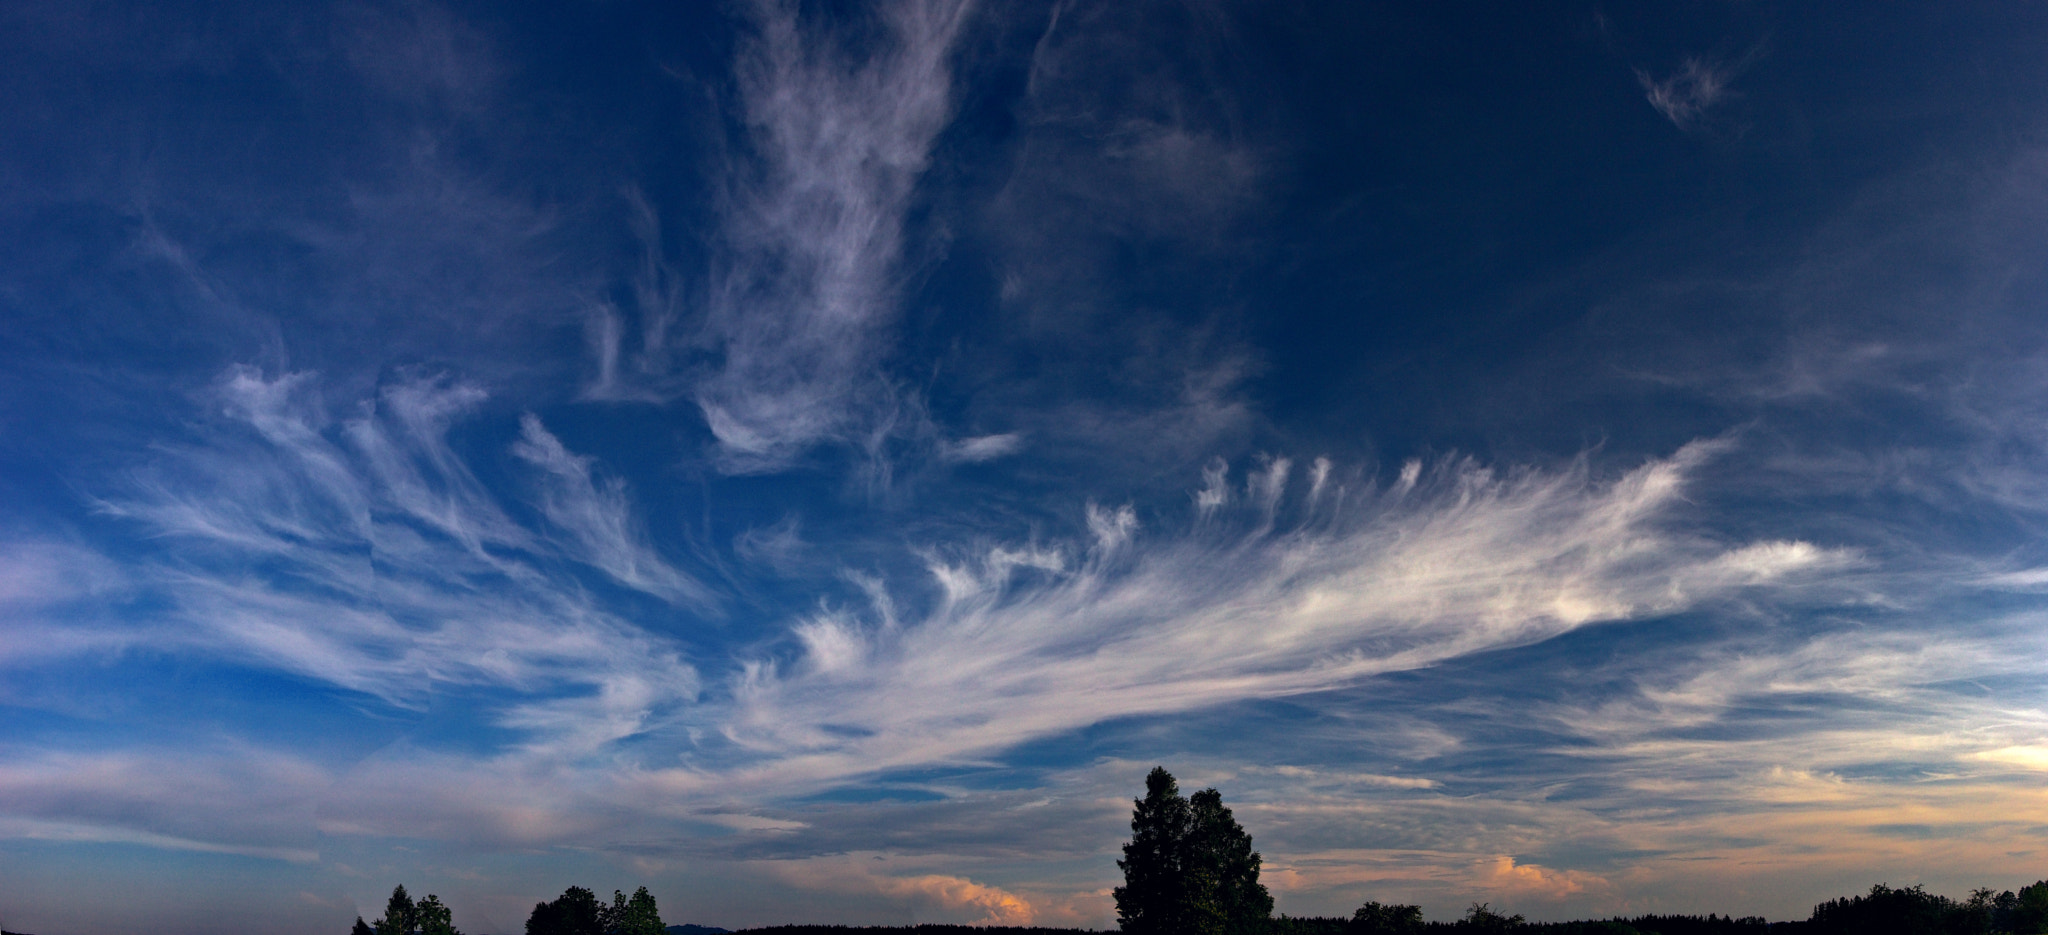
[(812, 459)]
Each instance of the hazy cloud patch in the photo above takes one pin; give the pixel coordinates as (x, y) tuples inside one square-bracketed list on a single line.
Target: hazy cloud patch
[(1685, 96)]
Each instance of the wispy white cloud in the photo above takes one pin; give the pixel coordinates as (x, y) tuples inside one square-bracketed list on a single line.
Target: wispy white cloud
[(804, 299), (390, 569), (983, 448), (158, 799), (1025, 643), (36, 573), (778, 546), (1685, 96), (598, 518)]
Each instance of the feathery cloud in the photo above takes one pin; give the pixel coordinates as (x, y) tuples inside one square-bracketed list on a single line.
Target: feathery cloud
[(1026, 642), (804, 299), (1685, 96)]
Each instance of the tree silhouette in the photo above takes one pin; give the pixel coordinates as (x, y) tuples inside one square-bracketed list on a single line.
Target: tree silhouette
[(1223, 860), (400, 917), (433, 918), (2029, 912), (1190, 868), (404, 917), (575, 912), (1155, 891), (1482, 920), (1883, 911), (1377, 919), (635, 916)]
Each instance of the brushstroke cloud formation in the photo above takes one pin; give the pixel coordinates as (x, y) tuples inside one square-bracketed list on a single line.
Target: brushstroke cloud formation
[(803, 305), (1032, 641), (395, 570)]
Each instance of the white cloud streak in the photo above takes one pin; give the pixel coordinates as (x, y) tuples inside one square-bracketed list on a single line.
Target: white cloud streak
[(1020, 644), (388, 568), (804, 298), (156, 799), (1685, 96), (598, 518)]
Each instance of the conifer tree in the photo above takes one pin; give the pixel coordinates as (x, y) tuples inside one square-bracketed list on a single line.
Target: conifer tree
[(1190, 868), (1223, 858), (400, 917)]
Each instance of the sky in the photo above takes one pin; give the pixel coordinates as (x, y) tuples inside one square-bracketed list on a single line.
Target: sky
[(812, 458)]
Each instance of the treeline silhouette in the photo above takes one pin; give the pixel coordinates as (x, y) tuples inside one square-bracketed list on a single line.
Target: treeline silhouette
[(928, 928), (1884, 910), (1190, 870), (577, 911)]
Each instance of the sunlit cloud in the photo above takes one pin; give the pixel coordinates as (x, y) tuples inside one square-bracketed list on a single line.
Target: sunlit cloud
[(943, 894), (1026, 642)]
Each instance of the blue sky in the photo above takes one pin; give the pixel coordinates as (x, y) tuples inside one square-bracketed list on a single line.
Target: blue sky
[(812, 459)]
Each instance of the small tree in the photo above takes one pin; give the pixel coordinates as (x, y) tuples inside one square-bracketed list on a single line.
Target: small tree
[(434, 918), (362, 928), (400, 916), (1482, 920), (635, 916)]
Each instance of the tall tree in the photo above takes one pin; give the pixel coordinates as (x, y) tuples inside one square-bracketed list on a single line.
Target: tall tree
[(400, 917), (1190, 868), (1152, 899), (1223, 861)]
